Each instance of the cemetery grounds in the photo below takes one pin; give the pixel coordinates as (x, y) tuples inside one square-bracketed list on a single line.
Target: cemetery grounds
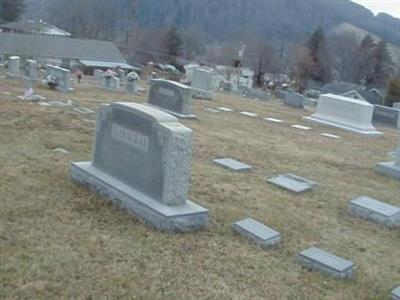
[(62, 241)]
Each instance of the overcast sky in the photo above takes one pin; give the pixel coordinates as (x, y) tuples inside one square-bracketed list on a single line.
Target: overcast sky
[(392, 7)]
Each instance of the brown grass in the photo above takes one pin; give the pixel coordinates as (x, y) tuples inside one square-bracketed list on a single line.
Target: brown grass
[(58, 240)]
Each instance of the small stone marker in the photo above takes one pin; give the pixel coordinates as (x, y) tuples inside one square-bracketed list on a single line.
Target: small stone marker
[(273, 120), (316, 259), (13, 67), (141, 161), (292, 183), (386, 115), (376, 211), (257, 232), (225, 109), (391, 168), (293, 99), (248, 114), (395, 294), (301, 127), (211, 110), (232, 164), (332, 136), (172, 97), (84, 110)]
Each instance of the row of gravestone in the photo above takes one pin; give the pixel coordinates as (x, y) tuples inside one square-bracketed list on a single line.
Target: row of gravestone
[(142, 159)]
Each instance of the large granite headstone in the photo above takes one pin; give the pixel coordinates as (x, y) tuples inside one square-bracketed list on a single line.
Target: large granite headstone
[(61, 76), (202, 79), (13, 67), (172, 97), (142, 161), (345, 113), (386, 115), (391, 168)]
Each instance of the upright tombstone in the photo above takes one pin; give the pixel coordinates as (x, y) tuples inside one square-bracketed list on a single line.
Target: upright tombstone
[(202, 83), (293, 99), (172, 97), (386, 115), (346, 113), (396, 105), (59, 78), (110, 81), (98, 73), (142, 160), (132, 83), (13, 67), (32, 70), (202, 79), (391, 168)]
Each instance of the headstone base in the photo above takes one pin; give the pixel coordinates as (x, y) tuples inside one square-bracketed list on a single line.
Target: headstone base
[(183, 218), (353, 129), (63, 90), (389, 169), (202, 94), (181, 116)]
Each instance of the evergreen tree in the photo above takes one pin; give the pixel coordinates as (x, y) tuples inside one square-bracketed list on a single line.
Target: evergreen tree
[(320, 56), (393, 92), (10, 10), (174, 44), (382, 64)]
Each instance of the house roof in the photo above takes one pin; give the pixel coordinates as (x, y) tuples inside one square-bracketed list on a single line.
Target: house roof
[(29, 26), (46, 46)]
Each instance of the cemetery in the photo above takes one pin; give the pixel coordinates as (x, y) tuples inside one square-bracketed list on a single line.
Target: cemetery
[(145, 175)]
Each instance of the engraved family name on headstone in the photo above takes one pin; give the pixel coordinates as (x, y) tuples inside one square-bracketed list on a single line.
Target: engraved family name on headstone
[(141, 161)]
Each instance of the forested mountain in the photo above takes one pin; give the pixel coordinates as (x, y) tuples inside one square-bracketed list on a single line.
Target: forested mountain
[(291, 20)]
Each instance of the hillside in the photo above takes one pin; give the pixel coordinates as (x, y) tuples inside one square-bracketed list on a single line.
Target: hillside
[(346, 28), (223, 20)]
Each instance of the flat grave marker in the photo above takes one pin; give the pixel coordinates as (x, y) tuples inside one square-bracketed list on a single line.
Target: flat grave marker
[(232, 164), (332, 136), (316, 259), (371, 209), (273, 120), (302, 127), (395, 294), (292, 183), (257, 232), (248, 114)]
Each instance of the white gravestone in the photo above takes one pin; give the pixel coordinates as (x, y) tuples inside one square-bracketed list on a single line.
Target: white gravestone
[(173, 97), (13, 66), (132, 83), (391, 168), (60, 78), (32, 70), (98, 73), (345, 113), (202, 84), (109, 81), (142, 161)]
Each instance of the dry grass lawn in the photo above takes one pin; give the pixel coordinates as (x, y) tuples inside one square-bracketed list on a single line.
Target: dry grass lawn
[(61, 241)]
